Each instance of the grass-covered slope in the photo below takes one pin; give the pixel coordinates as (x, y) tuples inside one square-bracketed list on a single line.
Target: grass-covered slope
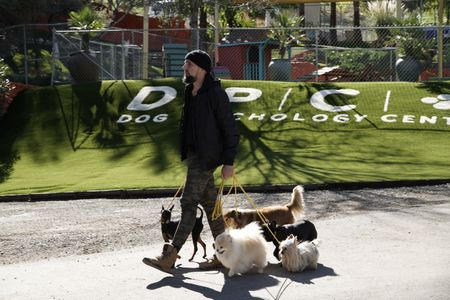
[(67, 138)]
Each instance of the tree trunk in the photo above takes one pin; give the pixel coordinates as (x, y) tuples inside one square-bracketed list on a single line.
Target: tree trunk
[(357, 37), (333, 17), (301, 13), (193, 23), (203, 26)]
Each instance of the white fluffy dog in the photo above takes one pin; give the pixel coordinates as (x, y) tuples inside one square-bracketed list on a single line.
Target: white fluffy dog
[(296, 256), (240, 249)]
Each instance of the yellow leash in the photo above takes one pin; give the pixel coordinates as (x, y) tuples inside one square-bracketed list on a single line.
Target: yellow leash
[(176, 194), (217, 213)]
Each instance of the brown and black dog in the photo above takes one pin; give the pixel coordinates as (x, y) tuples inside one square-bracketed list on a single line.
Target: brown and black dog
[(286, 214), (168, 228)]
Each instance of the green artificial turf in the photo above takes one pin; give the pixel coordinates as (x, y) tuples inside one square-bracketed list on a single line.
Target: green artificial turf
[(66, 138)]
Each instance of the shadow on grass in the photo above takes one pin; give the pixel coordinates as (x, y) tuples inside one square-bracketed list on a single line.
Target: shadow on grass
[(307, 149), (162, 137), (437, 87), (91, 113), (11, 128)]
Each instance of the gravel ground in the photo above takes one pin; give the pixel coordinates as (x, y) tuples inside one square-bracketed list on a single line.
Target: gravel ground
[(32, 231)]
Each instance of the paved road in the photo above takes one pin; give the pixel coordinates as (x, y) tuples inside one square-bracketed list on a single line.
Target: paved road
[(395, 251)]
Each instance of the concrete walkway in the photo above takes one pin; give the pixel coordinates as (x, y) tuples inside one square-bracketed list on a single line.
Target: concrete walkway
[(398, 254)]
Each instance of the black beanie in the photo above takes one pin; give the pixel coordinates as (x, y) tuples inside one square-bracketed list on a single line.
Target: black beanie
[(200, 58)]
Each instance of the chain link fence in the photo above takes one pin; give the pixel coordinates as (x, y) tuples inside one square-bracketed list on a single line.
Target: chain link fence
[(43, 54), (27, 52)]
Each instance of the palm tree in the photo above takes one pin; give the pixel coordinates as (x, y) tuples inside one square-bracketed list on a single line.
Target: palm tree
[(85, 19)]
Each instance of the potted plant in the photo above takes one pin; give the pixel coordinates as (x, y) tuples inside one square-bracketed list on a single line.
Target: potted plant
[(285, 33), (415, 50), (82, 64)]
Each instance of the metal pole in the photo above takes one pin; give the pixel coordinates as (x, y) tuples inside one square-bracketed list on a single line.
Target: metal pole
[(53, 57), (123, 58), (25, 52), (216, 30), (440, 37), (145, 42), (101, 61), (317, 54)]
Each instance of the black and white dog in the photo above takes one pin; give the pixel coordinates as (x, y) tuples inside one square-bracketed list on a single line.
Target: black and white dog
[(304, 231)]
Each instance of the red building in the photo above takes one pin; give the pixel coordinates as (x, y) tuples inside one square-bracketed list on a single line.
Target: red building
[(159, 34)]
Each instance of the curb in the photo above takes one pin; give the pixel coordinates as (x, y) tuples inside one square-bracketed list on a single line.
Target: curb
[(169, 192)]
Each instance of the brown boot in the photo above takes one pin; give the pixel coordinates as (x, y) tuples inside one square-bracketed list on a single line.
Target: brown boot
[(211, 264), (165, 261)]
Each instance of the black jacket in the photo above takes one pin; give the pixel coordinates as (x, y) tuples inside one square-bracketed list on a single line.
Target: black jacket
[(215, 134)]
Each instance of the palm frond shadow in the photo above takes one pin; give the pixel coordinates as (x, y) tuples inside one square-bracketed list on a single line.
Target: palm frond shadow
[(17, 117), (278, 161), (164, 139)]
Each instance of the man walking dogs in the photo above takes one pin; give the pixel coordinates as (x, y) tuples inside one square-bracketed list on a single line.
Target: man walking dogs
[(209, 138)]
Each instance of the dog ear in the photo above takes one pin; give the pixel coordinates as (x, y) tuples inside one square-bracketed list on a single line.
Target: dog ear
[(272, 225), (171, 207), (162, 207), (291, 236)]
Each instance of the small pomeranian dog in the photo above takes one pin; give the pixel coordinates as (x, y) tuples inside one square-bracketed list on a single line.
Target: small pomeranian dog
[(286, 214), (241, 249), (297, 256)]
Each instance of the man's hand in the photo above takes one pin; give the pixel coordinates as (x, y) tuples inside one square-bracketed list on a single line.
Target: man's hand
[(227, 172)]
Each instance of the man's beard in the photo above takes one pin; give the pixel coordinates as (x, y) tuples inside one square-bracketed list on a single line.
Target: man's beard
[(189, 79)]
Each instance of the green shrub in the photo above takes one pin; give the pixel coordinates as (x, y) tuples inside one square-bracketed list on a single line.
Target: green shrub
[(5, 88)]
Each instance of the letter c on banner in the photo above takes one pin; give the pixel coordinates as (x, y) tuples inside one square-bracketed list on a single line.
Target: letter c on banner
[(137, 103), (318, 100), (252, 94)]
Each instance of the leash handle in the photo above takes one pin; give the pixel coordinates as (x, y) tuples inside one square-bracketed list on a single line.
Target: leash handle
[(217, 212)]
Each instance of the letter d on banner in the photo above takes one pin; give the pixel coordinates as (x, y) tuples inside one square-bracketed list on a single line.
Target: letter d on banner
[(137, 102), (251, 94)]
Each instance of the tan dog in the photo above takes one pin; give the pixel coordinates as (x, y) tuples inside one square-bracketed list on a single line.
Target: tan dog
[(297, 256), (286, 214)]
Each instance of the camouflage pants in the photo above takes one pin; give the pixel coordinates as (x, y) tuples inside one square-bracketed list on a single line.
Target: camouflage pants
[(199, 189)]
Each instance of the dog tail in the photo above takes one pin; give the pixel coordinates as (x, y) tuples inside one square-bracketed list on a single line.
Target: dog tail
[(252, 229), (297, 203), (201, 212)]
